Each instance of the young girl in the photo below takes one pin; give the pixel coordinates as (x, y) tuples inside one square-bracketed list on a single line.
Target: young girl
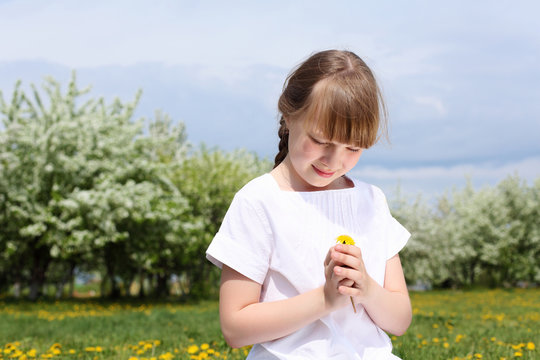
[(285, 285)]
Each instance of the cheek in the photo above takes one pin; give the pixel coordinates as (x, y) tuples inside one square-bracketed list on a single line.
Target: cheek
[(352, 159), (310, 149)]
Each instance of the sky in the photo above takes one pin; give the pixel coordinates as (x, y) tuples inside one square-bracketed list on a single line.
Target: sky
[(461, 79)]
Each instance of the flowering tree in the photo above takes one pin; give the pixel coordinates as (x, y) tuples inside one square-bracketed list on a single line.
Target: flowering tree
[(209, 178), (490, 236), (80, 179)]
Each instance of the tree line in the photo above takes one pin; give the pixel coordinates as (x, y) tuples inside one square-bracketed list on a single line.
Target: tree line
[(487, 237), (87, 189)]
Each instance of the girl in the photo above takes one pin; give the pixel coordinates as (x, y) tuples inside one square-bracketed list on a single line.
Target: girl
[(285, 285)]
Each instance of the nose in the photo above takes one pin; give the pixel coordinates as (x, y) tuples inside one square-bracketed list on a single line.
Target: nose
[(331, 158)]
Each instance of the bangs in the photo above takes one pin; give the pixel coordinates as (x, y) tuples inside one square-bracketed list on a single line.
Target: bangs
[(342, 111)]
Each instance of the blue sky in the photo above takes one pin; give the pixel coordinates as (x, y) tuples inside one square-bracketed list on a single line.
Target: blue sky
[(461, 79)]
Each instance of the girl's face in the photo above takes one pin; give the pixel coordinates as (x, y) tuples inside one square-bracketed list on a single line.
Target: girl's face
[(315, 163)]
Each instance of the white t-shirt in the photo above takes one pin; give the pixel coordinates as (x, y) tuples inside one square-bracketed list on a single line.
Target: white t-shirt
[(280, 240)]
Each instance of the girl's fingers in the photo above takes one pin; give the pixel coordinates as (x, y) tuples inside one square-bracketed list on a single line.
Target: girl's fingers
[(348, 273), (331, 274), (349, 291), (349, 249), (328, 257), (346, 282), (348, 255)]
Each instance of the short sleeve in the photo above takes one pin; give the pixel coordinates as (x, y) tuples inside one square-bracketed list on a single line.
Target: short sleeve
[(396, 234), (397, 237), (243, 241)]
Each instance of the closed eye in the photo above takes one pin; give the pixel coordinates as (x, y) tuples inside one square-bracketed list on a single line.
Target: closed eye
[(318, 142)]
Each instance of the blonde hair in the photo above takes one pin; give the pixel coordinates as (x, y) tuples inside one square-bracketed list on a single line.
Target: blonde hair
[(335, 92)]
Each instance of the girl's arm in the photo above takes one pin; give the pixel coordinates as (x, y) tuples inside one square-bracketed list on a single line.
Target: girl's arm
[(389, 307), (246, 321)]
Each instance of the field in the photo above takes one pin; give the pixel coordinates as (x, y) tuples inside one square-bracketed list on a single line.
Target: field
[(478, 324)]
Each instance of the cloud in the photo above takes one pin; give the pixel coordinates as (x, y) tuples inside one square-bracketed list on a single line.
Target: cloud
[(459, 80), (435, 180), (432, 102), (528, 168)]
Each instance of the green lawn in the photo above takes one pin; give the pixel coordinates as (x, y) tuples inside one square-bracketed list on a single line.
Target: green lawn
[(488, 324), (480, 324)]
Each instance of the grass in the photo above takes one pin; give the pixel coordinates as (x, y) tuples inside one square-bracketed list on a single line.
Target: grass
[(479, 324), (488, 324)]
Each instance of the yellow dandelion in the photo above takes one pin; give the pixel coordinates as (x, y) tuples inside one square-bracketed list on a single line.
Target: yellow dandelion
[(530, 346), (32, 353), (89, 349), (345, 239), (99, 349), (72, 351), (205, 346), (518, 354), (446, 345), (192, 349), (133, 358), (16, 354), (166, 356), (478, 356)]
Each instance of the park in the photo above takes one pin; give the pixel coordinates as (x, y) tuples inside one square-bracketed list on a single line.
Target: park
[(105, 220)]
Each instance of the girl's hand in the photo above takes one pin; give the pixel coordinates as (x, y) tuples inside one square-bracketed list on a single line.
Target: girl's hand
[(350, 266), (332, 296)]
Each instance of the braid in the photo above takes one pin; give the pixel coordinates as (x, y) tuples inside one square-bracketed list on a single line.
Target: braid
[(283, 146)]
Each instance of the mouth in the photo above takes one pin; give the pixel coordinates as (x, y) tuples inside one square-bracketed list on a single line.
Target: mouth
[(323, 174)]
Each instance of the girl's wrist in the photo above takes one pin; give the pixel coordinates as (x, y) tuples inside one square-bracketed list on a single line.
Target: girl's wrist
[(371, 293), (329, 303)]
